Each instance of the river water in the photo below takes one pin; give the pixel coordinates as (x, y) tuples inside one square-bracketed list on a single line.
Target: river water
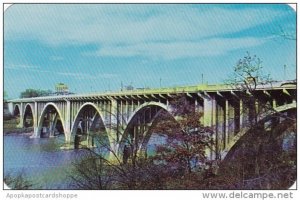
[(42, 162)]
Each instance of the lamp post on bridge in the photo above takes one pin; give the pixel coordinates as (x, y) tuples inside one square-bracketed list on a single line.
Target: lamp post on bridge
[(284, 72), (160, 82)]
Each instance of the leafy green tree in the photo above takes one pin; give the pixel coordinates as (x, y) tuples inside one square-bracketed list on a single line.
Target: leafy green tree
[(5, 95), (28, 93), (187, 139), (186, 144), (18, 181), (254, 163)]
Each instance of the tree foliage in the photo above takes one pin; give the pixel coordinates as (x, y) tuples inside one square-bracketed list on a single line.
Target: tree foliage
[(185, 146), (91, 173), (187, 140), (259, 165), (18, 181), (28, 93), (181, 162), (248, 74), (5, 95), (269, 163)]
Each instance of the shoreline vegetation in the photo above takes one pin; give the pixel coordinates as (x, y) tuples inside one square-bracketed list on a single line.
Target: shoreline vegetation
[(10, 128)]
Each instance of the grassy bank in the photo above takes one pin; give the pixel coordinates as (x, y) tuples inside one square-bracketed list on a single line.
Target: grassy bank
[(10, 127)]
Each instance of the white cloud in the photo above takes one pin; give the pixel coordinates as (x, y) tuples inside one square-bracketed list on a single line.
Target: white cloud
[(87, 76), (175, 50), (117, 24), (77, 75), (24, 67), (56, 58), (34, 68), (20, 66), (168, 31)]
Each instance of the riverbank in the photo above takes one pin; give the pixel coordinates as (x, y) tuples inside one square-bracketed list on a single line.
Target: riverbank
[(10, 128)]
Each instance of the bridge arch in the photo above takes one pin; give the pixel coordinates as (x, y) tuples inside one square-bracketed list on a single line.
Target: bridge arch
[(89, 122), (17, 110), (28, 112), (46, 109), (265, 117), (144, 105), (130, 133)]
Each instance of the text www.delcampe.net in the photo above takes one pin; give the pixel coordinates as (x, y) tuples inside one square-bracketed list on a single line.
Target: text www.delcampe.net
[(247, 195)]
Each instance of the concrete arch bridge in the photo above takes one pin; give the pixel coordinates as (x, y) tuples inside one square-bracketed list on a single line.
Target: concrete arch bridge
[(131, 112)]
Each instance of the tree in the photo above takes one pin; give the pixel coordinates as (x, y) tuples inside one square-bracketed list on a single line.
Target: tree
[(186, 144), (255, 162), (97, 171), (91, 173), (18, 181), (271, 166), (28, 93), (248, 74), (5, 95), (187, 140)]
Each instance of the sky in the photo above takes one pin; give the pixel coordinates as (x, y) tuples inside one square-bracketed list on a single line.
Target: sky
[(98, 47)]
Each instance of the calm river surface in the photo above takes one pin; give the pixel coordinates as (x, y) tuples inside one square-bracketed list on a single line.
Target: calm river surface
[(41, 160)]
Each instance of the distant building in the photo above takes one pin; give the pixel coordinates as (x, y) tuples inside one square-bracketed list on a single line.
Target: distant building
[(129, 87), (61, 89)]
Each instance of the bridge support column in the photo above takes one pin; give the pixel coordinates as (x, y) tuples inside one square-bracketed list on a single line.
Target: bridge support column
[(209, 115), (52, 125), (241, 114), (67, 127), (126, 113), (274, 103), (11, 108), (227, 118), (113, 128), (35, 121), (21, 123)]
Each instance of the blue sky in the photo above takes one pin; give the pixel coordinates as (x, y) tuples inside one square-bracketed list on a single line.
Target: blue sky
[(95, 47)]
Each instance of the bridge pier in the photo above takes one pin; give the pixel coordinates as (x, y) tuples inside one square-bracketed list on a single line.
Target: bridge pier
[(113, 129), (220, 126), (35, 121), (11, 108), (209, 120), (35, 132), (67, 122), (21, 123)]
